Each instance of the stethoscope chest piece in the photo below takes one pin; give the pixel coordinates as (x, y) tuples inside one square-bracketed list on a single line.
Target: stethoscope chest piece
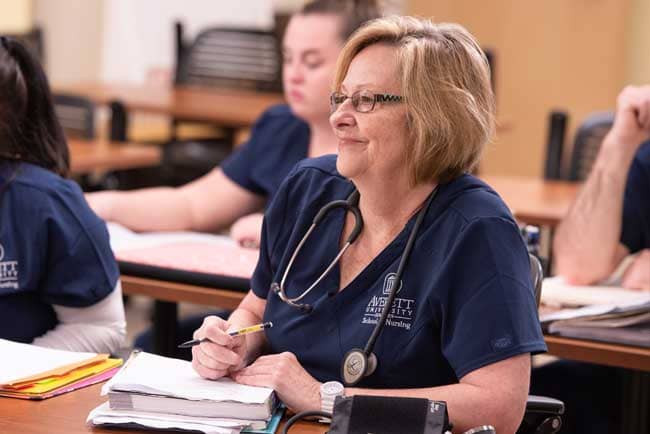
[(357, 365)]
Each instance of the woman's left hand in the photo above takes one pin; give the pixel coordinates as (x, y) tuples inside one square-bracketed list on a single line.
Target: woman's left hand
[(247, 230), (283, 373)]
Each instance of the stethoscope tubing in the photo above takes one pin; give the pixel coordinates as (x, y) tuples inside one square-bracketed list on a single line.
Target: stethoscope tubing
[(398, 276), (348, 205)]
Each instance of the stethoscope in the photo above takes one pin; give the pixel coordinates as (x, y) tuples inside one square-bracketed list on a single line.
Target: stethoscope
[(357, 363)]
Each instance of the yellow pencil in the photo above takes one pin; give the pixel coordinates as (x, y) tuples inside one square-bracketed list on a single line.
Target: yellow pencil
[(243, 331)]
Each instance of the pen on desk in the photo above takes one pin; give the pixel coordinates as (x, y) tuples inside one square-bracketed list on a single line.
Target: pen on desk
[(240, 332)]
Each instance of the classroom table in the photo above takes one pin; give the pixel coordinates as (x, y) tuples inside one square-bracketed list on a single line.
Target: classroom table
[(66, 414), (611, 354), (232, 108), (534, 201), (90, 155)]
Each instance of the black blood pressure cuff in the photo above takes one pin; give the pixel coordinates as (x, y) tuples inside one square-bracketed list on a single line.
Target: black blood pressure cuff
[(362, 414)]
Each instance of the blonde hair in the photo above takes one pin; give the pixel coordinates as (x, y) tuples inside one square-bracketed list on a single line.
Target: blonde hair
[(445, 80)]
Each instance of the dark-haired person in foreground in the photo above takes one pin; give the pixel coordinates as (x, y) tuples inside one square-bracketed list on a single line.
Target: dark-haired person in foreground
[(59, 283)]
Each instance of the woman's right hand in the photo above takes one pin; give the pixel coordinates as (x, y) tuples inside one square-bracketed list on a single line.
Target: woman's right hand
[(224, 354)]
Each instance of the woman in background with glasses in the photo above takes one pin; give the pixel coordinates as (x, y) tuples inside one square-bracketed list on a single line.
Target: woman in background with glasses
[(412, 111), (238, 190)]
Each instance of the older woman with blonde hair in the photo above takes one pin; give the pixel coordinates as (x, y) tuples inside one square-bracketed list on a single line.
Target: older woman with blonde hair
[(389, 267)]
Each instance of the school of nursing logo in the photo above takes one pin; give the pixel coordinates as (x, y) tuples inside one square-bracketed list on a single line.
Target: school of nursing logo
[(389, 283), (401, 312), (8, 272)]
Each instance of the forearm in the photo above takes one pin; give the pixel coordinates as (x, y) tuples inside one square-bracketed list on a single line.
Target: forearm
[(99, 328), (586, 242), (151, 209), (468, 405)]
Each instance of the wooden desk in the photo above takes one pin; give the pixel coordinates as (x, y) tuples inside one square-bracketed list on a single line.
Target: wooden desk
[(87, 156), (227, 107), (622, 356), (181, 292), (535, 201), (66, 414)]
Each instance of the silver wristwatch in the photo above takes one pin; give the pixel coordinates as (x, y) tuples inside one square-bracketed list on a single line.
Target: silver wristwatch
[(328, 392)]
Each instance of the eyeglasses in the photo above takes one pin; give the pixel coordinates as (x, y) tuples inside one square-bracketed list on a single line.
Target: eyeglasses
[(363, 101)]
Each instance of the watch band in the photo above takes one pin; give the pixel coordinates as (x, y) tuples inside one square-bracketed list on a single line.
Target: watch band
[(328, 393)]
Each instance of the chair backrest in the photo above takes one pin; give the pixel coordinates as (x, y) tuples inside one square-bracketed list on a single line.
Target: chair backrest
[(236, 58), (76, 115), (587, 143), (543, 415), (537, 275)]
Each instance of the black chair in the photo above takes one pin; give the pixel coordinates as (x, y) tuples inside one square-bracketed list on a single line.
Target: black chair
[(231, 58), (222, 58), (587, 143), (76, 115), (543, 415), (585, 149)]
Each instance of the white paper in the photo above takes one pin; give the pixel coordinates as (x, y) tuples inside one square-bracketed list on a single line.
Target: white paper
[(24, 360), (104, 415), (556, 292), (157, 375), (122, 239)]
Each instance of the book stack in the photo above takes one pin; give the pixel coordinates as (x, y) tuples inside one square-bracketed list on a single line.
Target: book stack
[(32, 372), (157, 392), (599, 313)]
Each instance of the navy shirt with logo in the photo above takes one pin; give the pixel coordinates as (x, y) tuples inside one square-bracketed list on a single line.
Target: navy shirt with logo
[(635, 231), (278, 141), (53, 250), (465, 300)]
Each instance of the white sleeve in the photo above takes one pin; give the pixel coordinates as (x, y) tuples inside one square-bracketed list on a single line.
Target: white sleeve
[(99, 328)]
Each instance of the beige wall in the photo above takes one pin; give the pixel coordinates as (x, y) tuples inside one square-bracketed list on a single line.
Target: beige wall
[(72, 32), (638, 43), (15, 16), (552, 53)]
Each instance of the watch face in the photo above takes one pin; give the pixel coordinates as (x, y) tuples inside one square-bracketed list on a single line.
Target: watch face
[(332, 388)]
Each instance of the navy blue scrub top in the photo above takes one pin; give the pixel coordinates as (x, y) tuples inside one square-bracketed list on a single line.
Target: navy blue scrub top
[(278, 141), (635, 230), (53, 250), (465, 300)]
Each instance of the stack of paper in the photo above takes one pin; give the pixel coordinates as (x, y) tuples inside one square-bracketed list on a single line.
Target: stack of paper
[(32, 372), (163, 393), (602, 313), (557, 292)]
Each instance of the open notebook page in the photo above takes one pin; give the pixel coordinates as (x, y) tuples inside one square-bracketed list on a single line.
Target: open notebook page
[(149, 373), (188, 251)]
